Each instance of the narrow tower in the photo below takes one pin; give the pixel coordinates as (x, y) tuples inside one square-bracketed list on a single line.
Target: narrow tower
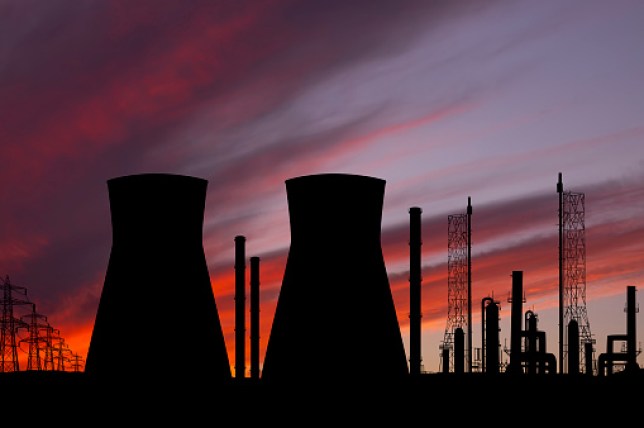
[(254, 317), (572, 277), (469, 285), (459, 307), (240, 306), (415, 280), (561, 281)]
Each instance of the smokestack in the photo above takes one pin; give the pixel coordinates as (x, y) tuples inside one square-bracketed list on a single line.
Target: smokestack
[(415, 279), (157, 280), (561, 276), (240, 306), (254, 318), (469, 285), (335, 318), (631, 310), (515, 322)]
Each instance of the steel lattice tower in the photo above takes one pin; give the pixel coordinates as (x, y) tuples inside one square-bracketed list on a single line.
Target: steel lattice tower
[(9, 324), (572, 275), (459, 305), (60, 351), (76, 363), (39, 342)]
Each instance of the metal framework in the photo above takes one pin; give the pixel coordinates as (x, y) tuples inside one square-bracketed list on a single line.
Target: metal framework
[(573, 267), (38, 341), (46, 349), (457, 281), (12, 295)]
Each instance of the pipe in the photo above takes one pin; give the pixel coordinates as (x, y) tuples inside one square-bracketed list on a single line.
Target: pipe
[(561, 276), (469, 284), (415, 279), (254, 317), (240, 306), (631, 310), (515, 322)]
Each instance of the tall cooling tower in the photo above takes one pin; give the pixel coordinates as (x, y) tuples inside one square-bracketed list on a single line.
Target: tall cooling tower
[(157, 318), (335, 317)]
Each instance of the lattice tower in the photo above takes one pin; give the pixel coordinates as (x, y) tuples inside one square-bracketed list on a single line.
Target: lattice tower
[(38, 341), (573, 265), (60, 351), (12, 296), (457, 271), (77, 363)]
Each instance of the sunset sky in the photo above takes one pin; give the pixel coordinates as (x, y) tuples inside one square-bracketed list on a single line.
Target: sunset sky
[(444, 100)]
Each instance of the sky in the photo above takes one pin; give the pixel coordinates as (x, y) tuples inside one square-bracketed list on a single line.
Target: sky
[(444, 100)]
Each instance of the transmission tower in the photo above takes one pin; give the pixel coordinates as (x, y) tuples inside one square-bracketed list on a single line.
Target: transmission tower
[(76, 363), (459, 303), (39, 341), (10, 324), (572, 278), (61, 353)]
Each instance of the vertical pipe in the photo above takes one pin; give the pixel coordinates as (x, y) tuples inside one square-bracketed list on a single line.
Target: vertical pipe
[(469, 285), (415, 278), (485, 300), (630, 327), (515, 322), (240, 306), (561, 308), (254, 317)]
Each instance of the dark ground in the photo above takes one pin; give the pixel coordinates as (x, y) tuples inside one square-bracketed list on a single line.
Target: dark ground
[(500, 399)]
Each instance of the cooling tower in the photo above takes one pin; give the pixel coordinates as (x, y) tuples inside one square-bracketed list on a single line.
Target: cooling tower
[(157, 319), (335, 317)]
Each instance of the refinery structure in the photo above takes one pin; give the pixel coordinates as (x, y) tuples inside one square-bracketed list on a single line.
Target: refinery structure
[(305, 347)]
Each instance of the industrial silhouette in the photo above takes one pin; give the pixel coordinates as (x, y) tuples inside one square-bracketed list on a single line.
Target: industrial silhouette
[(415, 291), (335, 252), (335, 328), (573, 316), (157, 272), (454, 352), (22, 328)]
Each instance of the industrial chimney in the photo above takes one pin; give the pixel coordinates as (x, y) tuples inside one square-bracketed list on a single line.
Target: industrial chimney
[(516, 328), (335, 318), (240, 306), (157, 302), (415, 295), (254, 317)]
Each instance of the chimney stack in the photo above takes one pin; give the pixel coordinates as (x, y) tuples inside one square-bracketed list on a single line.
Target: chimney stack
[(415, 280)]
